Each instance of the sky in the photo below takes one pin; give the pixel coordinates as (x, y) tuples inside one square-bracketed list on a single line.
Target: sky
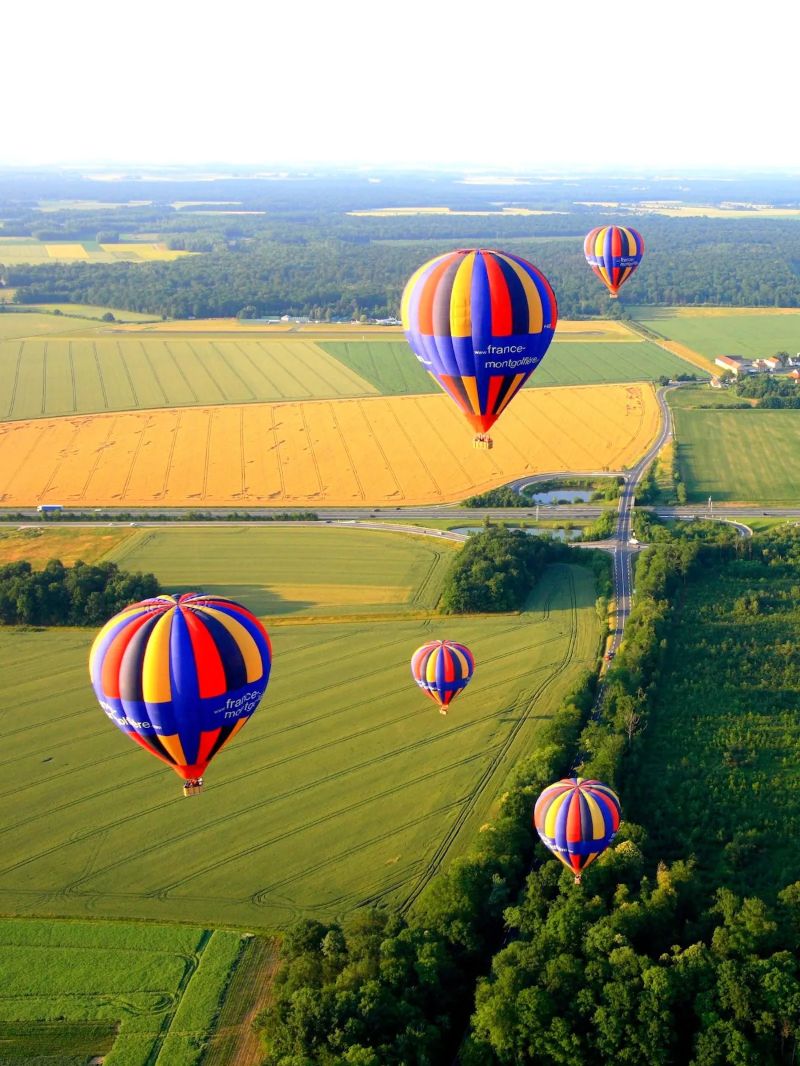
[(495, 85)]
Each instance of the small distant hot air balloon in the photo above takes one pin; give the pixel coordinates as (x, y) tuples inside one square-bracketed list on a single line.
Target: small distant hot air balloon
[(613, 253), (577, 819), (442, 669), (181, 675), (480, 322)]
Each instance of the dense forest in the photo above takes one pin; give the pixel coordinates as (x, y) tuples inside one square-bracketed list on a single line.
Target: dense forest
[(682, 944), (274, 247)]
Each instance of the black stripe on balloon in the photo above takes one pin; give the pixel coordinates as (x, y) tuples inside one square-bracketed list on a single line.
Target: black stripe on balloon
[(441, 298), (157, 748), (231, 657), (503, 391), (130, 669), (520, 313), (458, 387), (224, 733)]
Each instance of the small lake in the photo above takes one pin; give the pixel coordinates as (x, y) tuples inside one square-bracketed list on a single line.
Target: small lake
[(570, 495), (557, 534)]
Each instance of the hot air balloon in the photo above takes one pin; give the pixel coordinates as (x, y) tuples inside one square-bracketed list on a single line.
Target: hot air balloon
[(577, 819), (480, 322), (442, 668), (181, 675), (613, 253)]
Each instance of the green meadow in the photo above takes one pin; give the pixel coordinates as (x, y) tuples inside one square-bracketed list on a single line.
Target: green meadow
[(139, 995), (752, 336), (347, 787), (739, 456), (393, 370)]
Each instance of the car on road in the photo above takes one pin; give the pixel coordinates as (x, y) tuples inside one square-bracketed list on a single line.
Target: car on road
[(609, 655)]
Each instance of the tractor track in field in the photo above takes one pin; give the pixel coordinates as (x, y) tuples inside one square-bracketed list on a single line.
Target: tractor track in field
[(446, 843)]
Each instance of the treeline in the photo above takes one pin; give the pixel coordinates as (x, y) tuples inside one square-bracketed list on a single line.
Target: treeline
[(389, 990), (79, 595), (496, 570), (71, 515), (771, 392), (329, 267)]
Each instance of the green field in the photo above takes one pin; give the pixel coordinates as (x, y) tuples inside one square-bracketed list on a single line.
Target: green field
[(97, 372), (703, 396), (393, 370), (736, 456), (752, 336), (716, 772), (346, 788), (71, 990), (15, 251)]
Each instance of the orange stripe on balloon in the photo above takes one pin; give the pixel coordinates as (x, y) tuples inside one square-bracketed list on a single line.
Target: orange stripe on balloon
[(109, 677), (513, 390), (143, 743), (471, 387), (429, 287), (172, 744)]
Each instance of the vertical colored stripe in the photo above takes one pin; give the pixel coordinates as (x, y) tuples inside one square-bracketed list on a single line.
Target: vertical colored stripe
[(210, 672), (499, 297), (155, 666), (460, 298)]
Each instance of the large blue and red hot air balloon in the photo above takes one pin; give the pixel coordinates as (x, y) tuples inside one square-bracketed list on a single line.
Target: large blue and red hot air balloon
[(480, 322), (181, 675), (577, 819), (442, 669), (613, 253)]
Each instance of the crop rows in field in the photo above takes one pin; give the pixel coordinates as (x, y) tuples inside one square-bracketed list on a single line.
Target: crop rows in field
[(31, 251), (399, 450), (585, 360), (81, 375), (347, 785), (69, 990)]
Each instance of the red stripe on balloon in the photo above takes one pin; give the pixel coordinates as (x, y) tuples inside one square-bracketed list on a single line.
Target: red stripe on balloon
[(210, 671), (574, 818), (502, 315)]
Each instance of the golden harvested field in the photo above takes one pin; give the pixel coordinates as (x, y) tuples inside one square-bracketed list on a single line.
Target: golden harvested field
[(18, 252), (404, 212), (683, 351), (38, 545), (210, 325), (147, 252), (375, 451)]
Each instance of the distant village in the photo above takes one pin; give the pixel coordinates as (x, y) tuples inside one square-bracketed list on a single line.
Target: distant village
[(737, 366)]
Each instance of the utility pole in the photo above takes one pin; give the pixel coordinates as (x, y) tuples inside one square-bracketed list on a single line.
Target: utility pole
[(710, 508)]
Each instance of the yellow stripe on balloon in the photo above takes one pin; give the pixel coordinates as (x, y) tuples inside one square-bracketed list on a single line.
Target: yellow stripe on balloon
[(535, 311), (600, 243), (471, 388), (156, 685), (410, 286), (430, 665), (631, 247), (598, 822), (552, 813), (172, 744), (460, 298), (247, 646)]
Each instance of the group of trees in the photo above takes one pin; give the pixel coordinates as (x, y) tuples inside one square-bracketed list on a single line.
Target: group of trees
[(769, 391), (496, 570), (79, 595)]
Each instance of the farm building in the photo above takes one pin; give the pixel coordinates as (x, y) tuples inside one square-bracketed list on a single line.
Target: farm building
[(795, 375), (734, 363)]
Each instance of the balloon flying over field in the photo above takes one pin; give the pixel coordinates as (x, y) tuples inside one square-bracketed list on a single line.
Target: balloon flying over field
[(613, 253), (577, 819), (480, 322), (442, 669), (181, 675)]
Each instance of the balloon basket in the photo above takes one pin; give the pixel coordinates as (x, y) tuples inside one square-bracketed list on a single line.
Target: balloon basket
[(443, 710), (613, 296), (483, 442), (193, 788)]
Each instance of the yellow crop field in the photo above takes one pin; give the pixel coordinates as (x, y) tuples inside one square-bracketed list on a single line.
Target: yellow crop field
[(38, 544), (148, 252), (683, 351), (596, 329), (69, 252), (208, 325), (403, 212), (729, 312), (375, 451)]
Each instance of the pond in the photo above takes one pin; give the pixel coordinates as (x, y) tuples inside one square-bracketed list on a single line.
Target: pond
[(555, 495), (558, 534)]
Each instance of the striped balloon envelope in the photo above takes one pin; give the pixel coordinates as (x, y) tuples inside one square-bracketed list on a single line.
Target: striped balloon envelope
[(577, 819), (442, 669), (613, 253), (480, 322), (181, 675)]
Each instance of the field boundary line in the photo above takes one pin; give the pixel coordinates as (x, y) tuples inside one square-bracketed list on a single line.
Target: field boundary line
[(13, 397), (182, 373), (100, 377)]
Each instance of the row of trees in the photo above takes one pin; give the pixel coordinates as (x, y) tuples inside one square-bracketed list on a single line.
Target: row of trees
[(79, 595), (327, 266)]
